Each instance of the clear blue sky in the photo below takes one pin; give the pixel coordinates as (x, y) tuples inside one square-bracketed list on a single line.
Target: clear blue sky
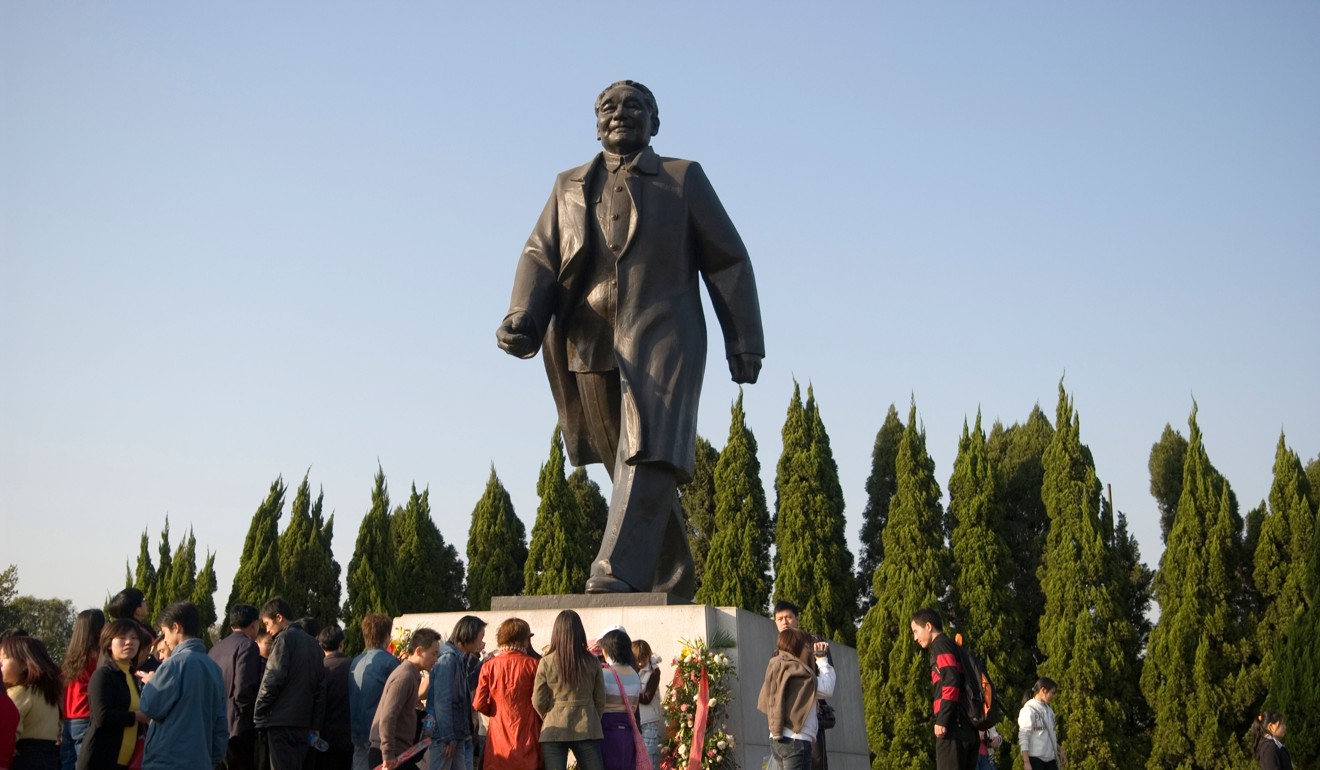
[(245, 240)]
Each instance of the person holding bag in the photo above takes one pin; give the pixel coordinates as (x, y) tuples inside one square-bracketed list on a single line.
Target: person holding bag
[(114, 737), (788, 697), (622, 747)]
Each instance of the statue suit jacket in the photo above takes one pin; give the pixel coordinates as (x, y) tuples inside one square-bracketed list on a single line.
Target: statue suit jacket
[(678, 231)]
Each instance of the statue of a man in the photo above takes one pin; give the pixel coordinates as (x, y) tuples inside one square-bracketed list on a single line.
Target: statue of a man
[(607, 287)]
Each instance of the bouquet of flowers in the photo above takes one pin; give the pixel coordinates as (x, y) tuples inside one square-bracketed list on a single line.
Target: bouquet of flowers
[(696, 706), (399, 642)]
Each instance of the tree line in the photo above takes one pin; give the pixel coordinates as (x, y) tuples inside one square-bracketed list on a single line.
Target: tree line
[(1029, 561)]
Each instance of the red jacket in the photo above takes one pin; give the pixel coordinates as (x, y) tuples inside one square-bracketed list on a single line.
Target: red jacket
[(504, 693), (8, 729)]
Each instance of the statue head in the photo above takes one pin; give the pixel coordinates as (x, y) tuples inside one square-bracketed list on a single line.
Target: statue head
[(626, 117)]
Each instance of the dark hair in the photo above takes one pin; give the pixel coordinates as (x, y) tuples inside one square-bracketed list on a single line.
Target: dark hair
[(617, 647), (514, 632), (36, 669), (466, 630), (1044, 683), (125, 603), (117, 629), (242, 615), (82, 644), (1259, 729), (793, 641), (422, 639), (927, 615), (376, 629), (276, 607), (568, 641), (784, 604), (309, 626), (331, 638), (186, 615)]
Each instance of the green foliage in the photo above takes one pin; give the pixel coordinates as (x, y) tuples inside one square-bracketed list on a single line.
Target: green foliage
[(559, 557), (179, 582), (1192, 674), (258, 576), (1296, 688), (896, 686), (430, 574), (203, 596), (144, 577), (1134, 591), (309, 574), (1313, 476), (162, 588), (8, 590), (1167, 457), (880, 488), (738, 567), (371, 575), (698, 497), (1084, 631), (496, 547), (592, 504), (813, 566), (50, 620)]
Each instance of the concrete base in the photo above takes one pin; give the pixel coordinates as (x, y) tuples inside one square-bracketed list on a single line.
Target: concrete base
[(662, 625)]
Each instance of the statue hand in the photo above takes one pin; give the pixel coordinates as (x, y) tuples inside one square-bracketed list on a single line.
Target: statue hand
[(517, 336), (745, 367)]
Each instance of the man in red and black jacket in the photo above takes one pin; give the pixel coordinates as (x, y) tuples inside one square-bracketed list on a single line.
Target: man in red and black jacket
[(955, 738)]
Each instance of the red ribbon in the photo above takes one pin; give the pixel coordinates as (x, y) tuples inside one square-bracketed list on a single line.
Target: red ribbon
[(699, 722)]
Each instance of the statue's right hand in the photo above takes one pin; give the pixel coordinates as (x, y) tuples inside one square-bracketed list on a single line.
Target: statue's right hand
[(517, 336)]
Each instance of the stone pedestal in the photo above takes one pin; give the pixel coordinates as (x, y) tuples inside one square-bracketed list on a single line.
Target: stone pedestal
[(662, 622)]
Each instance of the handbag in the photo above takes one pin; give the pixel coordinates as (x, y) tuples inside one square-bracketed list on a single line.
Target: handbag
[(135, 761), (825, 715), (641, 756)]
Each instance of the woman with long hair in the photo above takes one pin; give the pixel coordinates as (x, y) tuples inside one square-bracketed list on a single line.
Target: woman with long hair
[(788, 697), (33, 682), (622, 686), (112, 736), (79, 662), (1268, 733), (504, 693), (569, 694)]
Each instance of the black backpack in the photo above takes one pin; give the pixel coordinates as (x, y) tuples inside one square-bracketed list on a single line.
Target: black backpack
[(978, 692)]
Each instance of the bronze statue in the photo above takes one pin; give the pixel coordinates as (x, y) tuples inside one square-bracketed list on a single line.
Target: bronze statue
[(607, 287)]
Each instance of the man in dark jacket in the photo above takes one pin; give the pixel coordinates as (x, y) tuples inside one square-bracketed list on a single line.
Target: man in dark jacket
[(956, 741), (335, 727), (240, 663), (289, 702)]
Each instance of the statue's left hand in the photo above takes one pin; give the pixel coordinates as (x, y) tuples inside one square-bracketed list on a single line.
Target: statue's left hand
[(745, 368)]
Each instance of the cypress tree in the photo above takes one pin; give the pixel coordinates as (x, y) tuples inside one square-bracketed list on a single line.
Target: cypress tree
[(1296, 689), (1167, 457), (182, 580), (896, 687), (161, 591), (496, 547), (1281, 555), (371, 574), (791, 472), (592, 504), (1195, 651), (558, 558), (429, 572), (1084, 631), (880, 488), (982, 598), (1313, 476), (1134, 591), (738, 566), (258, 575), (1016, 456), (203, 596), (308, 570), (698, 497), (144, 579)]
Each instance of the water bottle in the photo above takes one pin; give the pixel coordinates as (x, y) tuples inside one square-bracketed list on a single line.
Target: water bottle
[(317, 742), (428, 724)]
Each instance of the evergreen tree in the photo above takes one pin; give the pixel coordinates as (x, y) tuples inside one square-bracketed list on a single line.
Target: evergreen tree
[(813, 566), (1313, 476), (371, 574), (791, 471), (1016, 456), (1134, 591), (1167, 457), (182, 576), (558, 558), (698, 496), (592, 503), (983, 605), (1296, 689), (896, 687), (496, 547), (160, 591), (203, 596), (1281, 555), (738, 566), (880, 488), (258, 575), (429, 572), (1084, 631), (1195, 654), (144, 579), (308, 570)]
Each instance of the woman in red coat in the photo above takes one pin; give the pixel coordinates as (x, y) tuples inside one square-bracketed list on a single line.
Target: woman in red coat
[(504, 693)]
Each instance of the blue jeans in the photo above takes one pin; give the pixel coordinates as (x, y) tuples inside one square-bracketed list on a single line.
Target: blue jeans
[(71, 738), (651, 734), (586, 753), (791, 755), (461, 760), (984, 762)]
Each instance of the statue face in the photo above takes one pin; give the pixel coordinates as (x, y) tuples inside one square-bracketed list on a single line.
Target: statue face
[(624, 120)]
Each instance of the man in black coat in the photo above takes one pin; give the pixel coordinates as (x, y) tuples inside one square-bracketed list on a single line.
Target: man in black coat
[(289, 701), (240, 663)]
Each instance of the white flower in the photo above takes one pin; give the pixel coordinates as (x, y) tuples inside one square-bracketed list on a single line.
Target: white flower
[(722, 745), (712, 702)]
